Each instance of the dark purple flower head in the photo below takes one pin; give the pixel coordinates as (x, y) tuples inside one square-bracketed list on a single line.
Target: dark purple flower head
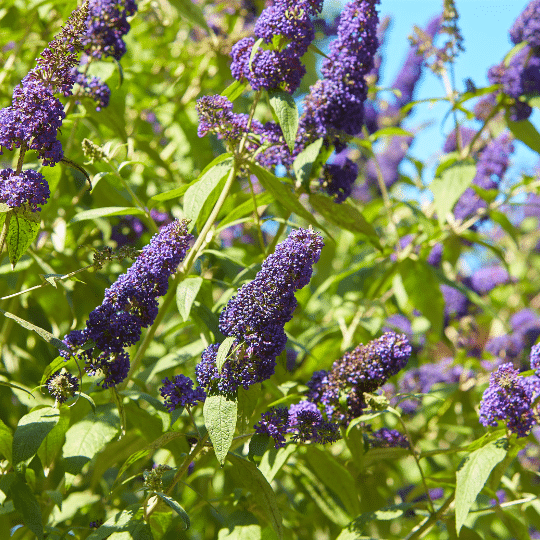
[(256, 315), (338, 179), (92, 87), (435, 255), (388, 438), (180, 393), (216, 116), (130, 304), (364, 369), (307, 424), (487, 278), (131, 228), (521, 76), (456, 304), (491, 167), (274, 423), (535, 358), (507, 398), (106, 26), (62, 385), (527, 25), (33, 119), (54, 65), (27, 188), (508, 346), (422, 379), (336, 103), (467, 134)]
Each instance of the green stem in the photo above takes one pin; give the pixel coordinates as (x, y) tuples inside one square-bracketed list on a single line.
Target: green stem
[(20, 161), (197, 449), (429, 522), (5, 229)]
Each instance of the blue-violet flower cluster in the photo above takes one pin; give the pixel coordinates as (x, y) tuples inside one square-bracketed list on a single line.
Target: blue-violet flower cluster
[(130, 305)]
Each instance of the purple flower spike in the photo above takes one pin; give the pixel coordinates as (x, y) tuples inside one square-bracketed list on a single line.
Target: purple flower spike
[(29, 187), (257, 314), (180, 393), (535, 358), (274, 423), (93, 88), (486, 279), (388, 438), (106, 26), (361, 370), (527, 25), (507, 398), (307, 425), (130, 304), (62, 385), (338, 179)]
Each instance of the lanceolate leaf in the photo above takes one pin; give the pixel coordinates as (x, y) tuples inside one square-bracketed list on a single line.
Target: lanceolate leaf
[(32, 430), (108, 211), (23, 229), (449, 187), (525, 132), (220, 419), (473, 474), (283, 194), (223, 351), (186, 294), (43, 334), (27, 505), (176, 507), (303, 163), (253, 480), (196, 197), (287, 113), (191, 12)]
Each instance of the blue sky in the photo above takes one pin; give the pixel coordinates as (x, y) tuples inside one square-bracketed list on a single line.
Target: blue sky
[(484, 25)]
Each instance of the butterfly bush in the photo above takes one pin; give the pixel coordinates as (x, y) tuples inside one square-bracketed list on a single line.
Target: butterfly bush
[(256, 315), (129, 305)]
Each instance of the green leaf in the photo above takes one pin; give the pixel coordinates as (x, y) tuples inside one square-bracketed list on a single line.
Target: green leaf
[(176, 507), (191, 12), (335, 477), (22, 231), (525, 132), (449, 187), (303, 163), (252, 479), (390, 132), (199, 193), (107, 211), (473, 474), (43, 334), (344, 215), (31, 431), (185, 295), (54, 440), (286, 111), (175, 193), (274, 459), (27, 505), (86, 397), (220, 419), (6, 441), (88, 436), (419, 277), (234, 90), (254, 50), (283, 194), (258, 445), (246, 208), (127, 522), (223, 352)]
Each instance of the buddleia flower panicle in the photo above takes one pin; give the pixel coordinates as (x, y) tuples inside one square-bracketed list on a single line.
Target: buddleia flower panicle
[(256, 315), (130, 304), (487, 278), (362, 370), (388, 438), (62, 385), (286, 31), (106, 26), (26, 188), (92, 87), (508, 398), (492, 164), (527, 25), (179, 392), (303, 421)]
